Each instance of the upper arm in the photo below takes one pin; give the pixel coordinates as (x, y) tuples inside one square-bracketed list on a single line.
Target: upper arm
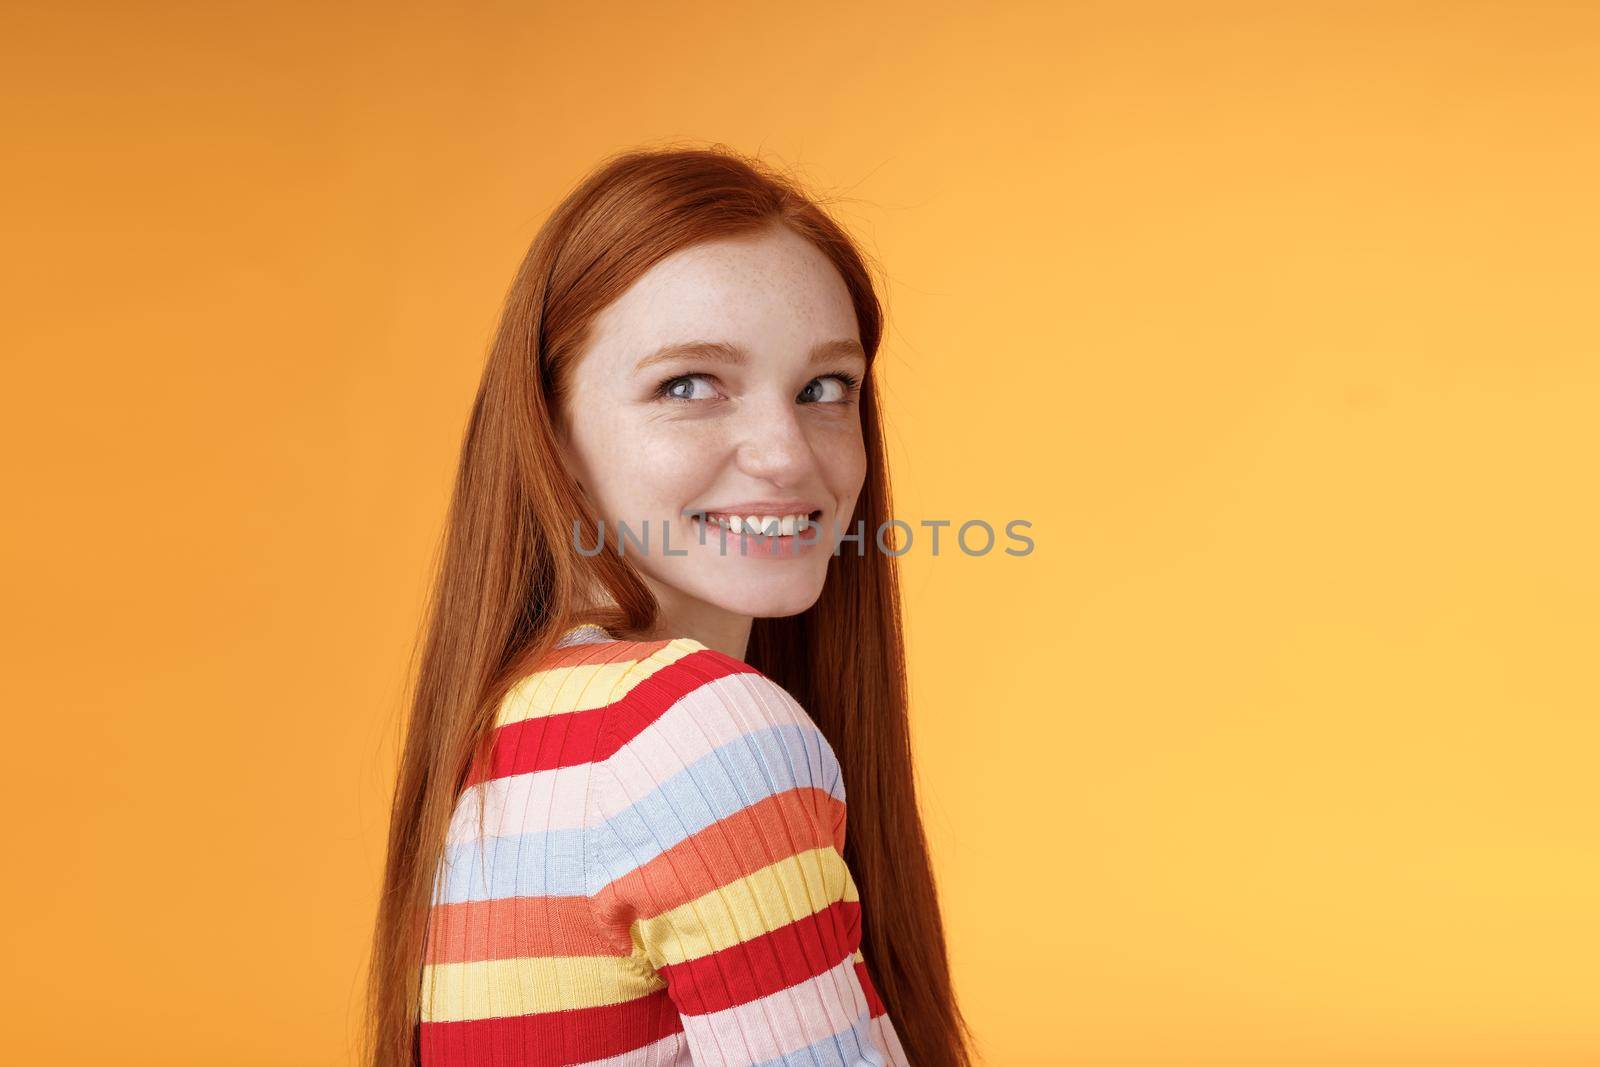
[(719, 840)]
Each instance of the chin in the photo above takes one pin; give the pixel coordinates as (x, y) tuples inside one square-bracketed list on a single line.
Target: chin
[(792, 599)]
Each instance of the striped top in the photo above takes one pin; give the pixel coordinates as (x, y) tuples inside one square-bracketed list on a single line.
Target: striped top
[(659, 880)]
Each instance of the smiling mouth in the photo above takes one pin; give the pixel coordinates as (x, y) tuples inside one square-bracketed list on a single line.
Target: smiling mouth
[(760, 527)]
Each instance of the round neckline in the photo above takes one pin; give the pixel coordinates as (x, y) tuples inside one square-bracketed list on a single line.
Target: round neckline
[(583, 634)]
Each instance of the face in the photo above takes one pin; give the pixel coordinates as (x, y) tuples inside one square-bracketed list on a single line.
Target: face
[(761, 421)]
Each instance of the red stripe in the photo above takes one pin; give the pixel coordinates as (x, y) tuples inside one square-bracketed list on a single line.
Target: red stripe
[(574, 737), (766, 964), (551, 1037), (772, 829), (874, 1001), (545, 743)]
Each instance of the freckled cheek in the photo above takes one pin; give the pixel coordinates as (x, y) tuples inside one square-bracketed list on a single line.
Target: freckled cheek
[(843, 457), (667, 468), (629, 463)]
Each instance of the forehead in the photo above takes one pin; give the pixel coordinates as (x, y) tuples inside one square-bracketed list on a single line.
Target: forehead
[(775, 288)]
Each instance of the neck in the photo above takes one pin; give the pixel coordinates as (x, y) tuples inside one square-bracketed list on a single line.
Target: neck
[(683, 616)]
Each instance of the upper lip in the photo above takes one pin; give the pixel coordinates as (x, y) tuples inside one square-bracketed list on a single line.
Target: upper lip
[(760, 508)]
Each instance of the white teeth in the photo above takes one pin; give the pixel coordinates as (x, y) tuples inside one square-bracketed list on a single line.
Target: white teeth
[(765, 525)]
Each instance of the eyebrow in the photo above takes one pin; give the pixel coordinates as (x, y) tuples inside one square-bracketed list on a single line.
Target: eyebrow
[(722, 352)]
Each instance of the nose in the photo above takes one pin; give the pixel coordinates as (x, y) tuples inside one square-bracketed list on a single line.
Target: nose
[(773, 445)]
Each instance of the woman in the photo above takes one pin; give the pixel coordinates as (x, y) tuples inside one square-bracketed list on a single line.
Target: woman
[(618, 832)]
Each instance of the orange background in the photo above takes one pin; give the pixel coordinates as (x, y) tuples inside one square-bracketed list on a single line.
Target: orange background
[(1276, 320)]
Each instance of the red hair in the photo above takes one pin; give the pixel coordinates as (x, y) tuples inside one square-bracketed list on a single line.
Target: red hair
[(508, 582)]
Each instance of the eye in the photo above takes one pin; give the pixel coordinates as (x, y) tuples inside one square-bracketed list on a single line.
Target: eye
[(673, 388), (844, 389)]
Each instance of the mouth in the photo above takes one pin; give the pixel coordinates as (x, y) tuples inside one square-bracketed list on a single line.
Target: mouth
[(761, 528)]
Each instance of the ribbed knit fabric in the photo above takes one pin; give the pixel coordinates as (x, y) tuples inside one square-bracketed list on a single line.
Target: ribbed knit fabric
[(660, 880)]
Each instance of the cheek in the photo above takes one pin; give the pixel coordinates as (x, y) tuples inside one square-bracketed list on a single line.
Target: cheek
[(609, 455), (844, 462), (657, 469)]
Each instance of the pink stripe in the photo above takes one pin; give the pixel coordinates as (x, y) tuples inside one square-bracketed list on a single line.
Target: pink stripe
[(776, 1025), (548, 800), (700, 721)]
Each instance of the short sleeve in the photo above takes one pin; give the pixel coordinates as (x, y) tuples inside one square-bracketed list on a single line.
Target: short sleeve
[(719, 840)]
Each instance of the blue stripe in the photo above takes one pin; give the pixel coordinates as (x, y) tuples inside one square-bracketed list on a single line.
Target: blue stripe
[(849, 1048), (729, 778), (521, 865)]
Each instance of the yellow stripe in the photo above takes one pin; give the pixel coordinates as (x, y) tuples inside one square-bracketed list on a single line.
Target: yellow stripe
[(580, 687), (857, 957), (776, 895), (484, 989)]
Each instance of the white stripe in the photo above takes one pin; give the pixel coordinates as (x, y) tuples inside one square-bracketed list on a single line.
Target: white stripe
[(539, 800)]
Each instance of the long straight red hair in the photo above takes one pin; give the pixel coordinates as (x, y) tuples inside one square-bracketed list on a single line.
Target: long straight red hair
[(509, 581)]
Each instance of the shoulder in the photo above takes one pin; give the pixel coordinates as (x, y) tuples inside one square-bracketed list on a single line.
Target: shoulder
[(660, 702), (699, 739), (687, 711), (693, 681), (578, 677)]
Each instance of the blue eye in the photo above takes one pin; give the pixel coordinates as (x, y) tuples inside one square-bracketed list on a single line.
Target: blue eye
[(668, 389), (848, 384), (846, 387)]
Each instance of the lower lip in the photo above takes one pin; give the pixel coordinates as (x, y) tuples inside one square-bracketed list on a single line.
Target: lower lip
[(755, 544)]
